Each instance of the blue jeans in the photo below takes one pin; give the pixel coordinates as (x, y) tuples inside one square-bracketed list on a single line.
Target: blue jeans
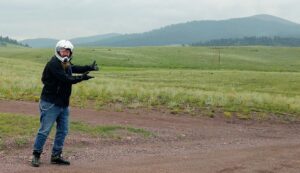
[(49, 114)]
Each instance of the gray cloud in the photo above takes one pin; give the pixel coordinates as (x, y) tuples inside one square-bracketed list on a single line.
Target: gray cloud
[(72, 18)]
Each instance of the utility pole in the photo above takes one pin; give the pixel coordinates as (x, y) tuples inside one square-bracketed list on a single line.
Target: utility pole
[(219, 56), (218, 53)]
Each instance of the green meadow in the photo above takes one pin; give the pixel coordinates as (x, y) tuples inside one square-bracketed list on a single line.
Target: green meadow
[(188, 79)]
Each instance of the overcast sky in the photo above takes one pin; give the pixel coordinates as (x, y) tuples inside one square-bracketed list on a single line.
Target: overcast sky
[(65, 19)]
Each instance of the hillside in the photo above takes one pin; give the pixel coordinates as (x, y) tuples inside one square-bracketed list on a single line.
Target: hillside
[(8, 42), (49, 43), (199, 31), (91, 39), (250, 41), (190, 32), (40, 42)]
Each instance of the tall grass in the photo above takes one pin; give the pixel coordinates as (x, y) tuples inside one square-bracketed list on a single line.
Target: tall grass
[(233, 90)]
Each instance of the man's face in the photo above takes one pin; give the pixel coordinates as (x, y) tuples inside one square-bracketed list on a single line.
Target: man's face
[(65, 52)]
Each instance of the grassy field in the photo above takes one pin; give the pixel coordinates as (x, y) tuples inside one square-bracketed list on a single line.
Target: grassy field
[(260, 79), (280, 59)]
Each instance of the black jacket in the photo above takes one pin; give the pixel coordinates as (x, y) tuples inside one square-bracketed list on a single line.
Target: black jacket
[(58, 82)]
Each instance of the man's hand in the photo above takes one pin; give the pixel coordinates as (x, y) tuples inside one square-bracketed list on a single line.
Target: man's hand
[(85, 76), (94, 66)]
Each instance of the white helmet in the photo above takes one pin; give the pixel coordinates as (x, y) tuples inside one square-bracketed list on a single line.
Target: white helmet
[(63, 44)]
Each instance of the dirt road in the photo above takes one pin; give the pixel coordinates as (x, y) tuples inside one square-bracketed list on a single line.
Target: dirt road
[(182, 143)]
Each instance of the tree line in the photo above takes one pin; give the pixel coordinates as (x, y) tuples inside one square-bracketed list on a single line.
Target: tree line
[(248, 41), (6, 40)]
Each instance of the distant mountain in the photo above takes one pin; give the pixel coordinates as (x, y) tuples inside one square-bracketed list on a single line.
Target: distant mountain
[(191, 32), (47, 42), (7, 41), (91, 39), (200, 31), (40, 42)]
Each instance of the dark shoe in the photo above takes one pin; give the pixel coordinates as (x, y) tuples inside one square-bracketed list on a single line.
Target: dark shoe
[(35, 162), (58, 159)]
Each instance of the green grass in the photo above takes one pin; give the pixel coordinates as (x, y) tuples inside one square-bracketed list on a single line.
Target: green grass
[(180, 78), (21, 129), (205, 58)]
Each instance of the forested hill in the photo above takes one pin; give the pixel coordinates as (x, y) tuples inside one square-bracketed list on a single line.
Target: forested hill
[(6, 41), (248, 41)]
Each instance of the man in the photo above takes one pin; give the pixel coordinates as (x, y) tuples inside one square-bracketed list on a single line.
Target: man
[(58, 79)]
